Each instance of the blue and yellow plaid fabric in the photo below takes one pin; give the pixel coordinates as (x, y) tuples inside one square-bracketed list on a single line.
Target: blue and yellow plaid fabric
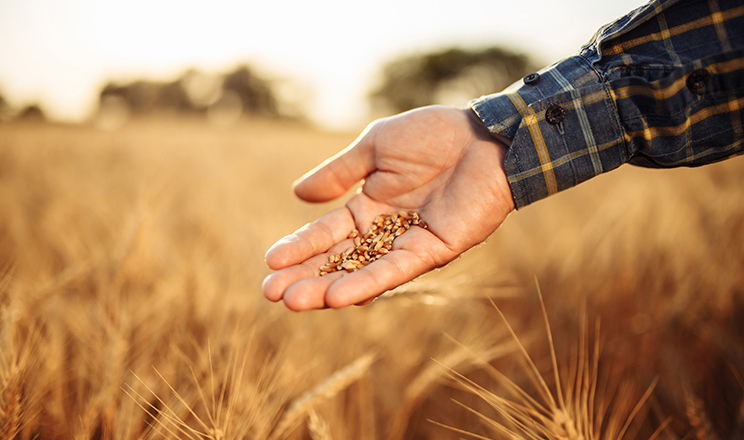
[(661, 87)]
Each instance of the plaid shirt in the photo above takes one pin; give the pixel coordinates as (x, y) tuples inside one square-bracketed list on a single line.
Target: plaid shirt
[(661, 87)]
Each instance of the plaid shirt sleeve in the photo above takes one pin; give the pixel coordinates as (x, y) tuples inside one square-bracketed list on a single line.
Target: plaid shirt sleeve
[(661, 87)]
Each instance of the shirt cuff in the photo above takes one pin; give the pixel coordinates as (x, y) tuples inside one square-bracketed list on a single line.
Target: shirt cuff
[(564, 129)]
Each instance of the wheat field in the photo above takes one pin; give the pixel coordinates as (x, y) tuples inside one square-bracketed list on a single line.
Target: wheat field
[(130, 302)]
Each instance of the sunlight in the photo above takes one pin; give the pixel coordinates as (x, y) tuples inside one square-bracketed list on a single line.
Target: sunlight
[(62, 52)]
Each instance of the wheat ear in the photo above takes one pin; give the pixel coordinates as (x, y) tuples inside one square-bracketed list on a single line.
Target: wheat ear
[(335, 383), (317, 426)]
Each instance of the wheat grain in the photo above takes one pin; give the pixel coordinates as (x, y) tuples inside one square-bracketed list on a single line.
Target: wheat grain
[(378, 241)]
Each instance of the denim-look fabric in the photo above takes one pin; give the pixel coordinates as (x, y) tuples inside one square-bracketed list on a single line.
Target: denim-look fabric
[(661, 87)]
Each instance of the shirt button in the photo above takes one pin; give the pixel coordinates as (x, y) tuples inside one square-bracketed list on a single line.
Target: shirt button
[(697, 79), (555, 114), (532, 79)]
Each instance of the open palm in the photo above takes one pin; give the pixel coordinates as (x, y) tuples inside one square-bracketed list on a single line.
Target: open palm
[(438, 161)]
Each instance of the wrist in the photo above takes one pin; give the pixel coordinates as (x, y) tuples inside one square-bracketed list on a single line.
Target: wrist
[(500, 145), (482, 132)]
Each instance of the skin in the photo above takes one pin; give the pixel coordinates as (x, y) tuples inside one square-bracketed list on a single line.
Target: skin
[(439, 161)]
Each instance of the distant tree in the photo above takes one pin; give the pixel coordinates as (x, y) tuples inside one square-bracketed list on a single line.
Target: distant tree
[(451, 74), (4, 109), (203, 89), (256, 94), (195, 93), (31, 112), (143, 96)]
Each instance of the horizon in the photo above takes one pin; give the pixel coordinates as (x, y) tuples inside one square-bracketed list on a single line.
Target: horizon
[(59, 55)]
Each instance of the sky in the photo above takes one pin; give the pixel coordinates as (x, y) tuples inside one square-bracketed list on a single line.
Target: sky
[(59, 53)]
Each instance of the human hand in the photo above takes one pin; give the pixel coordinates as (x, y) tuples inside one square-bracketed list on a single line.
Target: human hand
[(438, 161)]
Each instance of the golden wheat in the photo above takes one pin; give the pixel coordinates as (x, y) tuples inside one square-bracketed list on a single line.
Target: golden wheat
[(338, 381), (130, 305), (558, 413), (318, 427)]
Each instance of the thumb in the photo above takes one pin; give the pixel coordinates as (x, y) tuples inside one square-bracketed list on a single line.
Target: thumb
[(332, 178)]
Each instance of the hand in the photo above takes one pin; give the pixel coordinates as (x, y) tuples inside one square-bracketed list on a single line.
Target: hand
[(439, 161)]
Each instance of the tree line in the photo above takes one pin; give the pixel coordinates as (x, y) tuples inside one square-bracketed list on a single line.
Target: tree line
[(446, 76), (449, 76), (30, 112), (195, 92)]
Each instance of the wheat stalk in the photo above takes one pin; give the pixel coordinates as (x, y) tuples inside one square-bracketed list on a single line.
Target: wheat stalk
[(20, 343), (570, 413), (335, 383), (10, 412)]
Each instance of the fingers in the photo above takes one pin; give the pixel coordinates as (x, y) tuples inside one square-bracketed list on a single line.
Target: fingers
[(335, 176), (310, 240), (414, 253), (301, 287), (309, 294), (277, 283)]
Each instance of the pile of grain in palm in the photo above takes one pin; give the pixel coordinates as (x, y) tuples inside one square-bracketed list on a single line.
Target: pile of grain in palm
[(377, 242)]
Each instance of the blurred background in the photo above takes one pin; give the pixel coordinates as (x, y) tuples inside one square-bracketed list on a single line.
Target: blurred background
[(147, 151), (318, 60)]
